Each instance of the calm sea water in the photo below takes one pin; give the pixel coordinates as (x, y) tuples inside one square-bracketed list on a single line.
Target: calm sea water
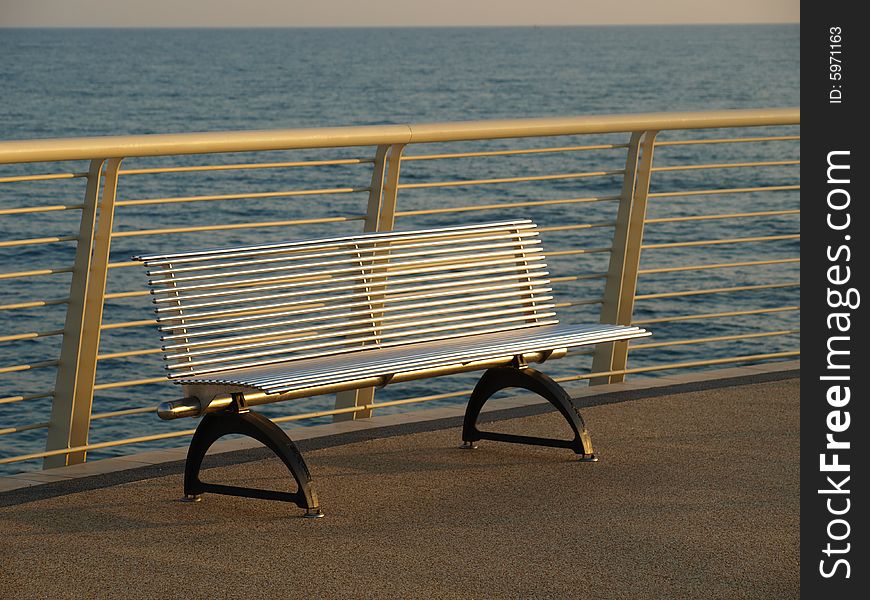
[(61, 83)]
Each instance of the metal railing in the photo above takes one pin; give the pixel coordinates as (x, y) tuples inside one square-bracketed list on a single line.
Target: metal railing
[(628, 240)]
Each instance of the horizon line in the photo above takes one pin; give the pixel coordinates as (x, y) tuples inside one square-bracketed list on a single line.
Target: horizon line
[(477, 26)]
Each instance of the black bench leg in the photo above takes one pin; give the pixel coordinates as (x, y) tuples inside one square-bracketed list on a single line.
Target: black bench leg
[(254, 425), (500, 378)]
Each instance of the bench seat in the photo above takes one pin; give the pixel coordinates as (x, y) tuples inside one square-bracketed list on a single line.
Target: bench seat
[(411, 361)]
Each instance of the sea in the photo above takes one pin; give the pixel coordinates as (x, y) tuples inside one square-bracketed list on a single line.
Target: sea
[(57, 83)]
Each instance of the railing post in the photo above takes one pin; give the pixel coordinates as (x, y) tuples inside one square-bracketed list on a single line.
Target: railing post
[(74, 387), (621, 286), (380, 216)]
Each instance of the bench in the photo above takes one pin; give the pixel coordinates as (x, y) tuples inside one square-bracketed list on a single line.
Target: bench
[(250, 325)]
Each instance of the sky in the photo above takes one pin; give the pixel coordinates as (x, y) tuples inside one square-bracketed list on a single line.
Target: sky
[(387, 13)]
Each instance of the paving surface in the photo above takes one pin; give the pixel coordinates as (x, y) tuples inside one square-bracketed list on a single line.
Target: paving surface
[(695, 496)]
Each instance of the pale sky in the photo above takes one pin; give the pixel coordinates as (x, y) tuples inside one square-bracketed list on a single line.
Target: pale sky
[(388, 13)]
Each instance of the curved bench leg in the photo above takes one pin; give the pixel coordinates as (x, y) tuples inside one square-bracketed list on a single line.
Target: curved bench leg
[(500, 378), (253, 425)]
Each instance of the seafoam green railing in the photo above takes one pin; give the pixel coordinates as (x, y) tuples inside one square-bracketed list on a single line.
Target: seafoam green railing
[(616, 214)]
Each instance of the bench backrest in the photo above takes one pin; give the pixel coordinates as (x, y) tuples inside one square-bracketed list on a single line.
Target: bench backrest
[(232, 308)]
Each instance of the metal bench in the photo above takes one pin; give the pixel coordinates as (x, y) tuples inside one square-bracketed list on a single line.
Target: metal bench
[(250, 325)]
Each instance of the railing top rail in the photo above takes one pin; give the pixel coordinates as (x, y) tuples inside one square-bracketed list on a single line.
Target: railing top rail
[(86, 148), (617, 123)]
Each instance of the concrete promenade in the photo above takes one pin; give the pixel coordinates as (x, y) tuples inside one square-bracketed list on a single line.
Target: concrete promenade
[(695, 496)]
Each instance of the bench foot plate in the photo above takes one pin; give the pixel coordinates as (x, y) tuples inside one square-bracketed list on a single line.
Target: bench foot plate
[(500, 378), (216, 425)]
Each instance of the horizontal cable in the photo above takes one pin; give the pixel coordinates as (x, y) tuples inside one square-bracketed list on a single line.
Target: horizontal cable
[(779, 138), (683, 365), (137, 294), (512, 152), (750, 263), (721, 338), (580, 302), (44, 177), (111, 355), (577, 226), (504, 205), (578, 277), (39, 209), (126, 324), (30, 336), (770, 188), (44, 240), (733, 313), (578, 251), (34, 304), (246, 166), (444, 396), (20, 428), (30, 367), (766, 238), (721, 290), (36, 272), (772, 163), (123, 413), (128, 383), (763, 213), (411, 186), (226, 227), (248, 196), (369, 407), (97, 446), (26, 397)]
